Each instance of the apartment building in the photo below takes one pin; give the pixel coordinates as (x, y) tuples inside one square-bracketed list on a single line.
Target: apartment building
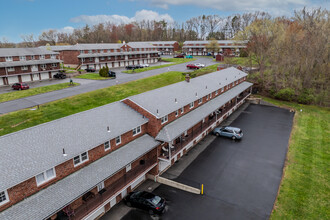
[(27, 64), (165, 47), (226, 47), (80, 166)]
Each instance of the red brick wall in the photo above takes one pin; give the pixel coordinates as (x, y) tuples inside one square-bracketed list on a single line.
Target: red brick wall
[(71, 57), (176, 46)]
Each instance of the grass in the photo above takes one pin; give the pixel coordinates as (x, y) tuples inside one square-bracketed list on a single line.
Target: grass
[(242, 61), (34, 91), (26, 118), (174, 61), (94, 76), (205, 70), (305, 188)]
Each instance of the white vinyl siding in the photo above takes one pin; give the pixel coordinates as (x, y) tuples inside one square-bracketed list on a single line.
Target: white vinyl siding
[(45, 176), (24, 67), (80, 159), (128, 167), (164, 119), (118, 140), (4, 197), (107, 145), (136, 130)]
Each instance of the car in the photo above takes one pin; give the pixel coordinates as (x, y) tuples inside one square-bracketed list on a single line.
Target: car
[(200, 65), (192, 66), (112, 74), (60, 75), (20, 86), (144, 65), (132, 67), (179, 56), (189, 56), (90, 69), (231, 132), (145, 200)]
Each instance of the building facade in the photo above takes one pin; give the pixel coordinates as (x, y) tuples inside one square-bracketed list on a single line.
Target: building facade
[(165, 47), (27, 64), (226, 47), (80, 166)]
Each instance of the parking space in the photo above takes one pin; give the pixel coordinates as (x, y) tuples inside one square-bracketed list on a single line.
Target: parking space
[(241, 178)]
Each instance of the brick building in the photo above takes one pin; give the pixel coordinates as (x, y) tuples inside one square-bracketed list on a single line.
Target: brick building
[(226, 47), (82, 165), (165, 47), (27, 64)]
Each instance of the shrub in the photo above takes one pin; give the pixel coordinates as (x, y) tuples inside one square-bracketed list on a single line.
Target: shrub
[(103, 72), (305, 97), (286, 94)]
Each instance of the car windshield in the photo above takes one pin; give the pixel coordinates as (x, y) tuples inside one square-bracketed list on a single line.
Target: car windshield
[(155, 200)]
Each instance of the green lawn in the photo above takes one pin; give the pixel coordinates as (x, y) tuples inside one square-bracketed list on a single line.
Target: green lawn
[(174, 61), (34, 91), (242, 61), (205, 70), (21, 119), (95, 76), (305, 189)]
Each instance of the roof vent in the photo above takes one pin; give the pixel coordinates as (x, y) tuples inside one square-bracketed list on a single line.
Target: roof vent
[(175, 100), (205, 87), (187, 77), (157, 111), (219, 83), (196, 94), (226, 78), (64, 154), (108, 129)]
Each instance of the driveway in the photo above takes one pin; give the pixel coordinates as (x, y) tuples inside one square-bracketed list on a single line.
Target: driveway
[(241, 178), (89, 85)]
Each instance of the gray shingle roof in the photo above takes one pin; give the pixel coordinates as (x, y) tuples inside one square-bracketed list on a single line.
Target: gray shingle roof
[(115, 54), (96, 46), (28, 62), (28, 152), (140, 45), (57, 48), (219, 42), (160, 42), (163, 99), (48, 201), (24, 51), (179, 126)]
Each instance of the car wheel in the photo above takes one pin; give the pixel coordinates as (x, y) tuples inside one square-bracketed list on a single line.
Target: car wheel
[(19, 88), (151, 212), (217, 134), (128, 204), (233, 137)]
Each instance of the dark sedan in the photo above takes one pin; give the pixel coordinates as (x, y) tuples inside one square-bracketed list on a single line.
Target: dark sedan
[(147, 201), (90, 69)]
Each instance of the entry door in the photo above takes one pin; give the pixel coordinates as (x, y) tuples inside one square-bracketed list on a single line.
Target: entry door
[(34, 68)]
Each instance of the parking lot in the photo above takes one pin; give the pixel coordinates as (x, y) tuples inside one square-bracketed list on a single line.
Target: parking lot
[(241, 178)]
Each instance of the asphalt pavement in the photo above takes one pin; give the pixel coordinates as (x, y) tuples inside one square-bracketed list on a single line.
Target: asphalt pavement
[(241, 178), (89, 85)]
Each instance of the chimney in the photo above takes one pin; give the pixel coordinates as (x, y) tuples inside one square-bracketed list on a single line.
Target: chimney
[(187, 77)]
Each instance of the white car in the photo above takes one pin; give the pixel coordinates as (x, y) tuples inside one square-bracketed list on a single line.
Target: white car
[(200, 65), (144, 65)]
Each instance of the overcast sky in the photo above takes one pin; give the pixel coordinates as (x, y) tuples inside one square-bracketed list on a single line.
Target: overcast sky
[(21, 17)]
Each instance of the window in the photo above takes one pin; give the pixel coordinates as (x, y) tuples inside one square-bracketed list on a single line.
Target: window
[(164, 119), (4, 197), (90, 51), (53, 56), (176, 113), (100, 186), (91, 59), (80, 158), (9, 59), (81, 51), (210, 95), (45, 176), (118, 140), (11, 69), (82, 59), (216, 92), (191, 104), (43, 66), (24, 68), (102, 58), (207, 97), (22, 58), (32, 57), (128, 167), (136, 130), (54, 64), (182, 109), (107, 145), (42, 57), (200, 100)]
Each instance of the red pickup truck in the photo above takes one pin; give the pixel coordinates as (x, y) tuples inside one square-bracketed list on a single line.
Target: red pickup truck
[(192, 66)]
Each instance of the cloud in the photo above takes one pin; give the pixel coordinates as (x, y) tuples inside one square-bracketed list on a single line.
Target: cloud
[(67, 29), (275, 7), (120, 19)]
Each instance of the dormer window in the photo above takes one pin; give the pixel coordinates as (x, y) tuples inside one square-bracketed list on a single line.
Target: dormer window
[(45, 176), (200, 100), (3, 197), (9, 59), (107, 145), (136, 130), (182, 110), (164, 119), (176, 113), (118, 140)]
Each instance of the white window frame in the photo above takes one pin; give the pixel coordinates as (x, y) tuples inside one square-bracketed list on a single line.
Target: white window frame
[(9, 58), (102, 58), (41, 57), (24, 68), (80, 159), (164, 119), (118, 138), (182, 109), (54, 64), (90, 51), (32, 57), (81, 51), (191, 105), (22, 58), (216, 92), (53, 56), (91, 59), (107, 145), (46, 178), (200, 101), (176, 113), (128, 167), (6, 198), (82, 59), (210, 95), (11, 69), (137, 130), (43, 66), (100, 186)]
